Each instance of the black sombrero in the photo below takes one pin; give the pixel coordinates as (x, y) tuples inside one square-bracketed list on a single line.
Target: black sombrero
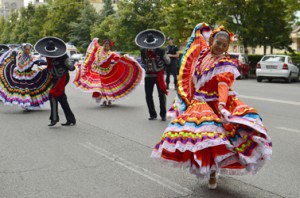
[(150, 39), (52, 47), (3, 48)]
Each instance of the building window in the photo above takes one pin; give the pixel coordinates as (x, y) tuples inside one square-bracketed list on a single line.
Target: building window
[(6, 5), (13, 6)]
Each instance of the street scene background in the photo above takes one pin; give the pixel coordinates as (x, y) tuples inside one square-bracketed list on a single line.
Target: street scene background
[(107, 153)]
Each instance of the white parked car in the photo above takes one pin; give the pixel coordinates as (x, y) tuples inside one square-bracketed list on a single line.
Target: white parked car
[(277, 66)]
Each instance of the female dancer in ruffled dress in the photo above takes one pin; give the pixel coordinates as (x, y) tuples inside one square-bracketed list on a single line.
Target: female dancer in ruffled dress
[(212, 130), (21, 82), (106, 74)]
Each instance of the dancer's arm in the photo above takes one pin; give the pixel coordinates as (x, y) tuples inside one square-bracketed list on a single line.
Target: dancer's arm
[(69, 65)]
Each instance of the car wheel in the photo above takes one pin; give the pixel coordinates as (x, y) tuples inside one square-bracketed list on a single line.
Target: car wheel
[(297, 78), (289, 79), (259, 79)]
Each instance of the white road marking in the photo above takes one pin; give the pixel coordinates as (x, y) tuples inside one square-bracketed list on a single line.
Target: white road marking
[(139, 170), (270, 100), (288, 129)]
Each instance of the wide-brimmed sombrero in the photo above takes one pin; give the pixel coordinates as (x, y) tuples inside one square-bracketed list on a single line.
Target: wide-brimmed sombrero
[(52, 47), (150, 39), (3, 48)]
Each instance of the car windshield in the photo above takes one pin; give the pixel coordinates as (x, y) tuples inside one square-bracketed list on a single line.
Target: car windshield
[(233, 56), (273, 58)]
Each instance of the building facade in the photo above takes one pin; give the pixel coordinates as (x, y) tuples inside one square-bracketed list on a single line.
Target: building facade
[(6, 6), (237, 47), (98, 4), (37, 2)]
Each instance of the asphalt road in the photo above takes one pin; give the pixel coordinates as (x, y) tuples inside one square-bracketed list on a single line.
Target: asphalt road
[(107, 154)]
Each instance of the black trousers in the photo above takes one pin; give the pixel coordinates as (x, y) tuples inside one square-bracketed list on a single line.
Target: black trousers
[(149, 86), (63, 101), (171, 69)]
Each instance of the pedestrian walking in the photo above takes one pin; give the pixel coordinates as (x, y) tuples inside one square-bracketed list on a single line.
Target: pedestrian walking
[(58, 65), (154, 58), (212, 131), (171, 69), (108, 75)]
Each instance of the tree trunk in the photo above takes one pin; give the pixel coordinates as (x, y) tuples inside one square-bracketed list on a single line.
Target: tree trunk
[(271, 50), (265, 49), (245, 48)]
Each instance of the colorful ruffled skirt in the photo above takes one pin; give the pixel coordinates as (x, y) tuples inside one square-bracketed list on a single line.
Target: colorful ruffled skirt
[(199, 139), (29, 89), (111, 80)]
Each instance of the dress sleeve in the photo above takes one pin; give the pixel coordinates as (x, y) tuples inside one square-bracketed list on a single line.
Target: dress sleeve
[(195, 45), (90, 56), (225, 80)]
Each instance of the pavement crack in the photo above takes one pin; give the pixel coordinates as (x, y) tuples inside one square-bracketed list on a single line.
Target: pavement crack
[(75, 169), (115, 134), (24, 171), (254, 186)]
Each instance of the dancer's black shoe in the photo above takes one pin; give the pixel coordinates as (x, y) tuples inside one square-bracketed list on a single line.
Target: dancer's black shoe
[(52, 123), (69, 123)]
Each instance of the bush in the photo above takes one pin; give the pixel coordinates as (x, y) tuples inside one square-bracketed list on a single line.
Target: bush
[(296, 58), (254, 59)]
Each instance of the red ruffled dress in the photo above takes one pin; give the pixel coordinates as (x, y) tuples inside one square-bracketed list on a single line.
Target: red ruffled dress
[(199, 137), (107, 75)]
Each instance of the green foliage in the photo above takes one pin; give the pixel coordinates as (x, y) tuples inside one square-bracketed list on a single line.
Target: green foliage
[(8, 28), (60, 15), (132, 17), (257, 22), (107, 9), (254, 59), (35, 28), (20, 33), (295, 58), (181, 17), (81, 31)]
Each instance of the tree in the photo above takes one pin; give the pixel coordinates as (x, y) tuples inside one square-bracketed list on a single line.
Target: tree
[(256, 22), (20, 33), (35, 29), (108, 9), (3, 25), (182, 16), (132, 17), (9, 27), (61, 13), (81, 30)]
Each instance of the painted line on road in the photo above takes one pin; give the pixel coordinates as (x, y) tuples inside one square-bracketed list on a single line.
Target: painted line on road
[(288, 129), (270, 100), (139, 170)]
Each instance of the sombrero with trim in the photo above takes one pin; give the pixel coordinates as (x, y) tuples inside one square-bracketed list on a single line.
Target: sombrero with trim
[(150, 39), (52, 47)]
